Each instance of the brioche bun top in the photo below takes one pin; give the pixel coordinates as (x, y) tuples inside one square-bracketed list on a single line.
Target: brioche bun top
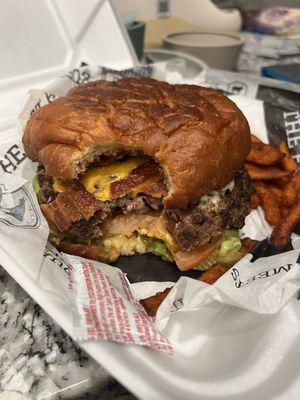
[(198, 136)]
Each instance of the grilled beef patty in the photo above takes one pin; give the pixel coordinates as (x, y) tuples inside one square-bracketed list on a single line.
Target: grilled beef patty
[(197, 224)]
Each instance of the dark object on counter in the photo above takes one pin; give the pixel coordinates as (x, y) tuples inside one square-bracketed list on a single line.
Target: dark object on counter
[(136, 30), (288, 72)]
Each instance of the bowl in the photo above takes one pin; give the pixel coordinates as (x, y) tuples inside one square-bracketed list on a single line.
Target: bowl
[(188, 66), (218, 50)]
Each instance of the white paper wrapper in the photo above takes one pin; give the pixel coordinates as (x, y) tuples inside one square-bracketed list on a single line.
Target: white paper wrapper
[(95, 302), (105, 309), (263, 286)]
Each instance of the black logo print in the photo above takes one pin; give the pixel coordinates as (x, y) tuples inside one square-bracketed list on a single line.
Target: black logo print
[(17, 208), (238, 88), (56, 257), (79, 76), (113, 75), (49, 98), (177, 304)]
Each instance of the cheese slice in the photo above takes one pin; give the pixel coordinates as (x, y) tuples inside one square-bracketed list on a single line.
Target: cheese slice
[(97, 180), (60, 186), (159, 231)]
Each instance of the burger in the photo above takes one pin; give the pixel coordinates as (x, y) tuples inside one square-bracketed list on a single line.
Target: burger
[(139, 165)]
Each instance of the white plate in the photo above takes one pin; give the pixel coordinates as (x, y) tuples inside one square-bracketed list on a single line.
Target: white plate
[(249, 358), (237, 354)]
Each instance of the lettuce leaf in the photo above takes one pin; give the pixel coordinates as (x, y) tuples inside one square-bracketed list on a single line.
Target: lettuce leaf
[(228, 252), (36, 185)]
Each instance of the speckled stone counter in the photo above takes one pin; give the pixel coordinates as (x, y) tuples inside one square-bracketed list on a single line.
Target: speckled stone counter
[(40, 361)]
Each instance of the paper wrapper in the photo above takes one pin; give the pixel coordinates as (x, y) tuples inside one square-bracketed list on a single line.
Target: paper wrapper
[(93, 301)]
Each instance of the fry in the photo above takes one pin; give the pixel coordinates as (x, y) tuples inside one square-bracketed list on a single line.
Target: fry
[(289, 196), (282, 232), (277, 192), (248, 245), (288, 163), (263, 154), (284, 210), (264, 173), (296, 182), (281, 182), (213, 274), (290, 190), (269, 203), (254, 139), (255, 201), (152, 303)]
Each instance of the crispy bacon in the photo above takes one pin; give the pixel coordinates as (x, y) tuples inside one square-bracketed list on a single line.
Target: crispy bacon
[(146, 178), (76, 203), (71, 206), (154, 187)]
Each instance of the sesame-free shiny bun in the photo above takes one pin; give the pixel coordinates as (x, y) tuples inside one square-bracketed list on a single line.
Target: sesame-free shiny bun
[(197, 135)]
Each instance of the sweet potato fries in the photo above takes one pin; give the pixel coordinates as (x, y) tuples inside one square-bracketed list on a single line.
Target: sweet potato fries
[(276, 178)]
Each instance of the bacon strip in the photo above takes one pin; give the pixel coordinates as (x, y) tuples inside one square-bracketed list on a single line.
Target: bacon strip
[(146, 178), (76, 203), (71, 206), (154, 187)]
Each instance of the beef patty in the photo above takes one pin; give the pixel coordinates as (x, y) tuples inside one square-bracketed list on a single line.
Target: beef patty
[(191, 227), (215, 212)]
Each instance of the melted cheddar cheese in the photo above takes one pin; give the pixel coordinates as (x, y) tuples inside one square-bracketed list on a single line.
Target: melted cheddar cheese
[(97, 180), (60, 186), (159, 230)]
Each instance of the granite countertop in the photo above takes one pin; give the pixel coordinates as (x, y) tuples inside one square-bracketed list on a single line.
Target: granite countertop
[(38, 360)]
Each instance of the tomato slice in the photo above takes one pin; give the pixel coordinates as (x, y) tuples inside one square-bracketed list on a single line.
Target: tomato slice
[(186, 260)]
